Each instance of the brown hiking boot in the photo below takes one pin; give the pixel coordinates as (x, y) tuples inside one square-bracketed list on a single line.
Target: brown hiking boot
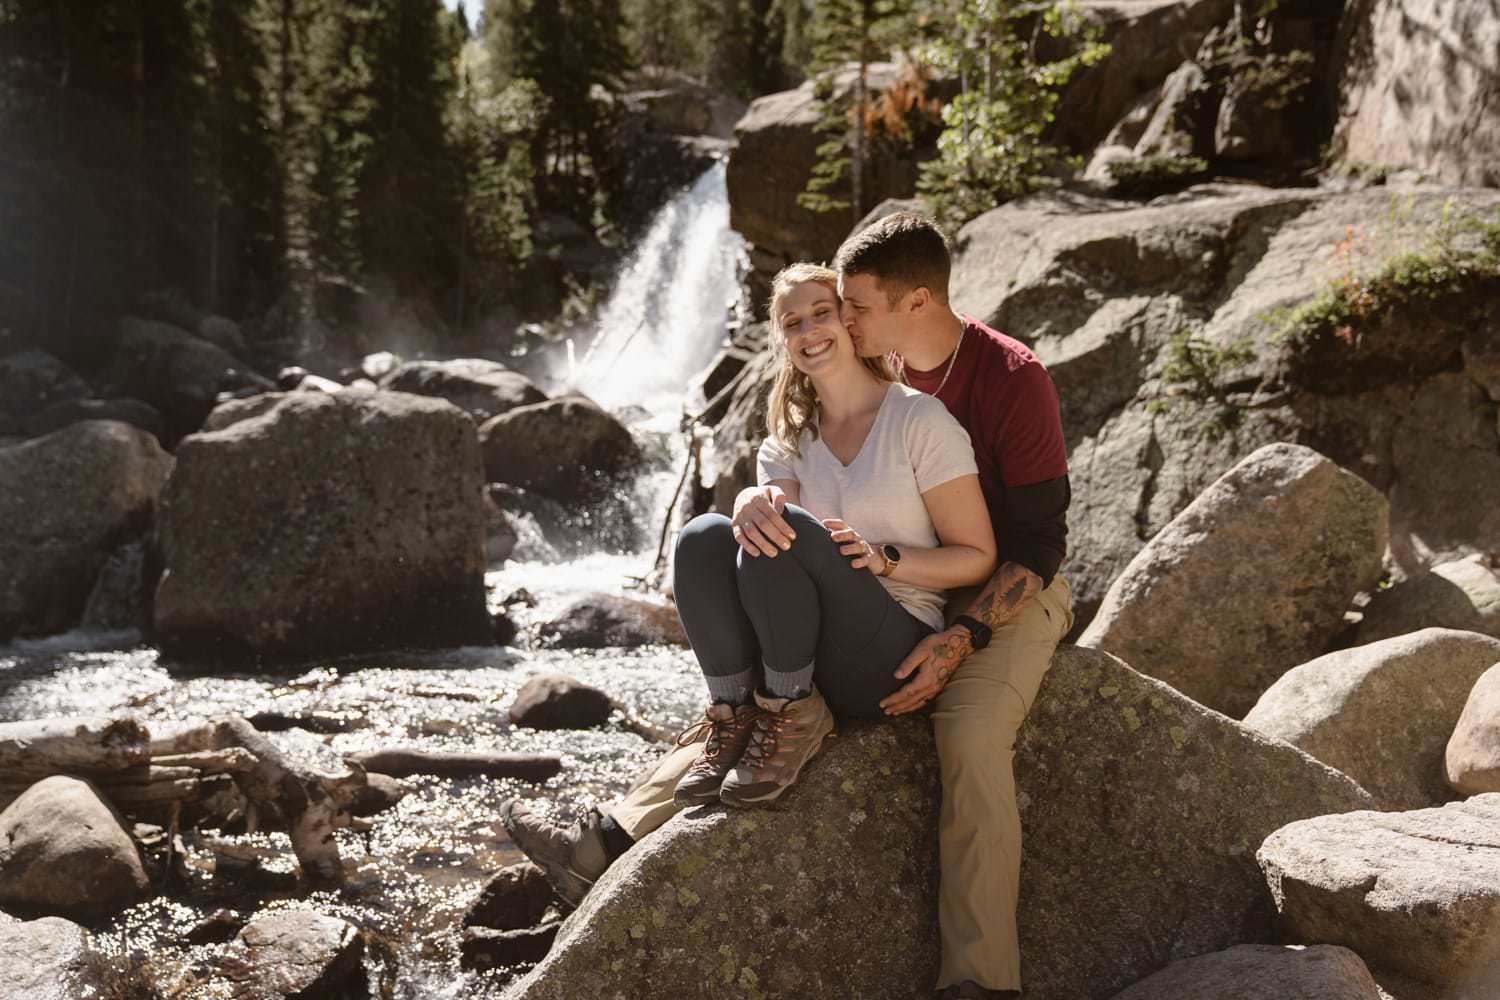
[(572, 857), (727, 730), (785, 735)]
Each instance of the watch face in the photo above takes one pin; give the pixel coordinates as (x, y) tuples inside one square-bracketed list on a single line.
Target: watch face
[(892, 554)]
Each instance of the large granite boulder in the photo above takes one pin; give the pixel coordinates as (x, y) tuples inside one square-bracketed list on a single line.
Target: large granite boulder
[(1250, 580), (47, 959), (307, 522), (178, 373), (67, 500), (1419, 87), (64, 849), (1262, 972), (1462, 594), (1471, 761), (1381, 713), (30, 382), (1116, 297), (482, 389), (1416, 892), (775, 151), (125, 410), (1142, 811), (556, 701), (567, 448), (294, 954)]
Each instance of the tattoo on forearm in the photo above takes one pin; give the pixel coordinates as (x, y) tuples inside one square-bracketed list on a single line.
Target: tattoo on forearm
[(1006, 593)]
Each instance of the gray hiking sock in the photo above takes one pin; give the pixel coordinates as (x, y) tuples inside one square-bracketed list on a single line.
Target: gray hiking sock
[(793, 684), (732, 689)]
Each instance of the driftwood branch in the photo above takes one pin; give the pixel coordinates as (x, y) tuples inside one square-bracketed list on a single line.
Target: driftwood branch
[(39, 748), (401, 762)]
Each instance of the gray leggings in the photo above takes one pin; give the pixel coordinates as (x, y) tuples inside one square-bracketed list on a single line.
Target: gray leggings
[(805, 605)]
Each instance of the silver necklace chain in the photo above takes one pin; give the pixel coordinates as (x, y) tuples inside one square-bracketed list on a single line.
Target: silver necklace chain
[(952, 358)]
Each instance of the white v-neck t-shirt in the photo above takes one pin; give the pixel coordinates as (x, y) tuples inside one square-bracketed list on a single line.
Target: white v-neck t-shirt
[(914, 445)]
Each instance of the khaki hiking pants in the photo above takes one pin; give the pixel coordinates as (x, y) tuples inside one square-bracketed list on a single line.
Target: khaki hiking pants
[(975, 721)]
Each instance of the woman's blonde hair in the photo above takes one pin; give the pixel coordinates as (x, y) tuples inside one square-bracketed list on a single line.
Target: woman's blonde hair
[(793, 402)]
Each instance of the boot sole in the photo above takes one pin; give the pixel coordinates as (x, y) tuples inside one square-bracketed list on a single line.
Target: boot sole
[(569, 885), (698, 799)]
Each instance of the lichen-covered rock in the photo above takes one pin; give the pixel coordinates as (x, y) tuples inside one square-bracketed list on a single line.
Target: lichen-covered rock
[(308, 522), (1462, 594), (67, 500), (1250, 580), (553, 701), (1417, 892), (1471, 761), (46, 959), (297, 953), (1381, 713), (1262, 972), (601, 620), (64, 849), (567, 448), (1142, 811), (481, 388)]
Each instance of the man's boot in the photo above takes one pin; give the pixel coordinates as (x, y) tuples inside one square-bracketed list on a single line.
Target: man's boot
[(572, 857), (726, 730), (786, 735)]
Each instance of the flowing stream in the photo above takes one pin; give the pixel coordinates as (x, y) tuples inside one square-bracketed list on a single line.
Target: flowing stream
[(410, 878)]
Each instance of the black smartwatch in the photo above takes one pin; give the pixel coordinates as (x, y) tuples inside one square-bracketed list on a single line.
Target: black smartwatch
[(979, 632)]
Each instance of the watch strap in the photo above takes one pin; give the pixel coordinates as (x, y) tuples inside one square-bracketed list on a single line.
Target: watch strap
[(979, 632)]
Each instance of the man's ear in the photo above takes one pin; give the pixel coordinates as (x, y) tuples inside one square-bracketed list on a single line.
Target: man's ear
[(918, 299)]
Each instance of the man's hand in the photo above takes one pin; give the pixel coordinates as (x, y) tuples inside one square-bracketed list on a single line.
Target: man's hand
[(758, 525), (933, 660)]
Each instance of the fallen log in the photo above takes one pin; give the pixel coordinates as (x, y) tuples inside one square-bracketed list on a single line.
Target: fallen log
[(40, 748), (401, 762), (313, 803)]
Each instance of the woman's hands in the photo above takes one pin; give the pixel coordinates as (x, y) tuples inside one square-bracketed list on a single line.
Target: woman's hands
[(852, 543), (758, 525)]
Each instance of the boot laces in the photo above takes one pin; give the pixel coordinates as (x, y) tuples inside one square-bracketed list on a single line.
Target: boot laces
[(765, 737)]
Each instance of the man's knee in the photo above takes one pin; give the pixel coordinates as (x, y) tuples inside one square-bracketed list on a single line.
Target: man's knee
[(977, 718)]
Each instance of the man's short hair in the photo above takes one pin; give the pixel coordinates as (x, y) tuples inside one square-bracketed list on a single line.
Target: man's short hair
[(904, 251)]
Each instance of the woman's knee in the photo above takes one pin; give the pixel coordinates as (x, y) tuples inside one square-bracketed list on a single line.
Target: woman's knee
[(707, 537)]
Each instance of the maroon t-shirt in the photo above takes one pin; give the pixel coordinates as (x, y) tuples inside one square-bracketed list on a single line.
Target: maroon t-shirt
[(1005, 399)]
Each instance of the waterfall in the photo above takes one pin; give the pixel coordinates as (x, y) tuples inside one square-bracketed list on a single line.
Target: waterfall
[(665, 317)]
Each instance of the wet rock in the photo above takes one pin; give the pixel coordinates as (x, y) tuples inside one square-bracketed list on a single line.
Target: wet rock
[(67, 501), (601, 620), (553, 701), (179, 374), (1142, 811), (1416, 892), (1471, 761), (46, 959), (221, 331), (1421, 99), (776, 148), (1462, 594), (125, 411), (64, 849), (482, 389), (1381, 713), (503, 629), (313, 523), (567, 448), (1262, 972), (516, 897), (121, 596), (484, 948), (31, 381), (379, 365), (1250, 580), (379, 793), (297, 953), (500, 533), (219, 927)]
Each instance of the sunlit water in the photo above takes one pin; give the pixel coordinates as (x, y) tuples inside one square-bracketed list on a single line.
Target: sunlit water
[(410, 878)]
